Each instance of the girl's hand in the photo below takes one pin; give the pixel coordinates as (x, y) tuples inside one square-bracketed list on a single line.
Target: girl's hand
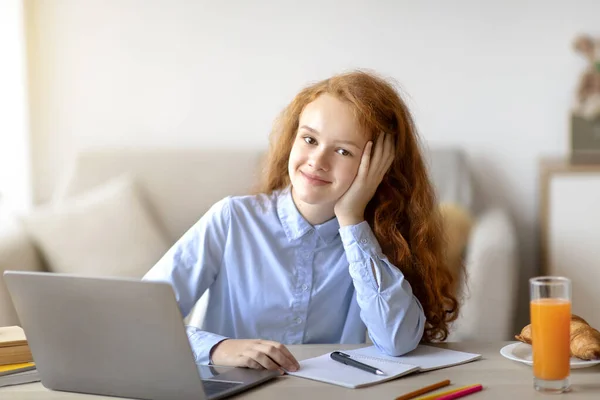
[(254, 353), (350, 208)]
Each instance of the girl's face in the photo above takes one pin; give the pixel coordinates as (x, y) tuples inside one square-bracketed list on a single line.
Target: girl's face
[(326, 153)]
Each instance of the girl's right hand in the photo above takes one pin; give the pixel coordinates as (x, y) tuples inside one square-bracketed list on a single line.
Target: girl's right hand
[(254, 353)]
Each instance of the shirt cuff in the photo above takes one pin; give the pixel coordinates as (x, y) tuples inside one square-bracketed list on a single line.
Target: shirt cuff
[(202, 343), (360, 242)]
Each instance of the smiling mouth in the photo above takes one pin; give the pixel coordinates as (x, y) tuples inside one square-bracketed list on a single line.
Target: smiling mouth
[(314, 180)]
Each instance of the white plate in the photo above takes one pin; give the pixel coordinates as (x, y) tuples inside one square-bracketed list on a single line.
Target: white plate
[(521, 352)]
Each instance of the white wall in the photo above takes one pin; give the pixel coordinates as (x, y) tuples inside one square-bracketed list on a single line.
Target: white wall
[(493, 77), (15, 165)]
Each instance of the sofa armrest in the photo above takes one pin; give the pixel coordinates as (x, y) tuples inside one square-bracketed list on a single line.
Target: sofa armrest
[(488, 299), (17, 252)]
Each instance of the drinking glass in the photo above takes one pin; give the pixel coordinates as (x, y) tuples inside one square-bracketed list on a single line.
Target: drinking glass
[(550, 308)]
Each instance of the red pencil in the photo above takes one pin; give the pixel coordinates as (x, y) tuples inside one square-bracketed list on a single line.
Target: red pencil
[(461, 393)]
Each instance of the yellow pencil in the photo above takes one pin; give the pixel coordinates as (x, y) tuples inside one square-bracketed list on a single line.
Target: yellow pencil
[(424, 390), (436, 395)]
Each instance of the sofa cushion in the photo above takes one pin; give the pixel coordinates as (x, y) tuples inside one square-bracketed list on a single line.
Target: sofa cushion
[(180, 185), (456, 223), (105, 231)]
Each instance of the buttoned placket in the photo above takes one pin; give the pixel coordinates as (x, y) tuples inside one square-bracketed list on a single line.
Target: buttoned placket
[(305, 254)]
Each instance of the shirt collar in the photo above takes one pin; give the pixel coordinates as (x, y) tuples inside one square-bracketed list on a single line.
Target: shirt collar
[(294, 224)]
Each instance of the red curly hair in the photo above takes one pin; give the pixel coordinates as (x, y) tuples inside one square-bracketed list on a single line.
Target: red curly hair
[(402, 213)]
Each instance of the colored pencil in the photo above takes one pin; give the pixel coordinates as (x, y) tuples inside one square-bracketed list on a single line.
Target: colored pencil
[(461, 393), (434, 396), (423, 390)]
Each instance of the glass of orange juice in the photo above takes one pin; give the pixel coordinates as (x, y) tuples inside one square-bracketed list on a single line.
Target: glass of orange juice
[(550, 309)]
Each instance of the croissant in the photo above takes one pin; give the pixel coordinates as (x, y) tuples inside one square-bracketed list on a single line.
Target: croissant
[(585, 340)]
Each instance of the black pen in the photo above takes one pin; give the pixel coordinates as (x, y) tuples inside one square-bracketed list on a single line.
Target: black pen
[(345, 359)]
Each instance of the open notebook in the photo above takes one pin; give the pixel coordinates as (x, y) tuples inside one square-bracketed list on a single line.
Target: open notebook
[(423, 358)]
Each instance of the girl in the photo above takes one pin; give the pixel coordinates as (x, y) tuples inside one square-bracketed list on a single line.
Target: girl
[(342, 238)]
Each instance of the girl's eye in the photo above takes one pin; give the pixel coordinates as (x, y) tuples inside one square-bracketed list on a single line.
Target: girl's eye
[(309, 140), (344, 153)]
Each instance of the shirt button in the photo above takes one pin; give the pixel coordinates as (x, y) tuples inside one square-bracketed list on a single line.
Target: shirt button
[(304, 287), (364, 241), (298, 320)]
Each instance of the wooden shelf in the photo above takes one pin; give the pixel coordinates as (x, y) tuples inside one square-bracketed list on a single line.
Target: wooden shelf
[(569, 227)]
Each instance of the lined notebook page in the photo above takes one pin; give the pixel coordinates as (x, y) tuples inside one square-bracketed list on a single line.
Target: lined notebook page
[(426, 357), (324, 369)]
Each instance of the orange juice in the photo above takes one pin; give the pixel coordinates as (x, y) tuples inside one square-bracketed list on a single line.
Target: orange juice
[(550, 336)]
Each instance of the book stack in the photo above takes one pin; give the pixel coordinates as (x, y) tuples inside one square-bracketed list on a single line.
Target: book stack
[(16, 362)]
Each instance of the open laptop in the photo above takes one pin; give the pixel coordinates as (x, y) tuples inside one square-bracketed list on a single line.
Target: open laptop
[(116, 337)]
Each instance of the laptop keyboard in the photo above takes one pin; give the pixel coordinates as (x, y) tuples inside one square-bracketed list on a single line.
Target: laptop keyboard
[(212, 388)]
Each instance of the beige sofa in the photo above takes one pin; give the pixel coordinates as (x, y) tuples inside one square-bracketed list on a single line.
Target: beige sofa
[(117, 211)]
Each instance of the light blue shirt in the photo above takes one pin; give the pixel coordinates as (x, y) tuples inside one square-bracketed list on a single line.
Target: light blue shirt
[(274, 276)]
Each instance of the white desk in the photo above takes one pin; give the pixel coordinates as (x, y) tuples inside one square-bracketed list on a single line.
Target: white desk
[(501, 378)]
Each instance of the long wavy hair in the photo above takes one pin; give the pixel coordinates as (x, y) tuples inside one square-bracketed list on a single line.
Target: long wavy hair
[(403, 212)]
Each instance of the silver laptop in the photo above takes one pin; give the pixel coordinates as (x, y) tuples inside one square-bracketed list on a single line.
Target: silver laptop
[(115, 337)]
